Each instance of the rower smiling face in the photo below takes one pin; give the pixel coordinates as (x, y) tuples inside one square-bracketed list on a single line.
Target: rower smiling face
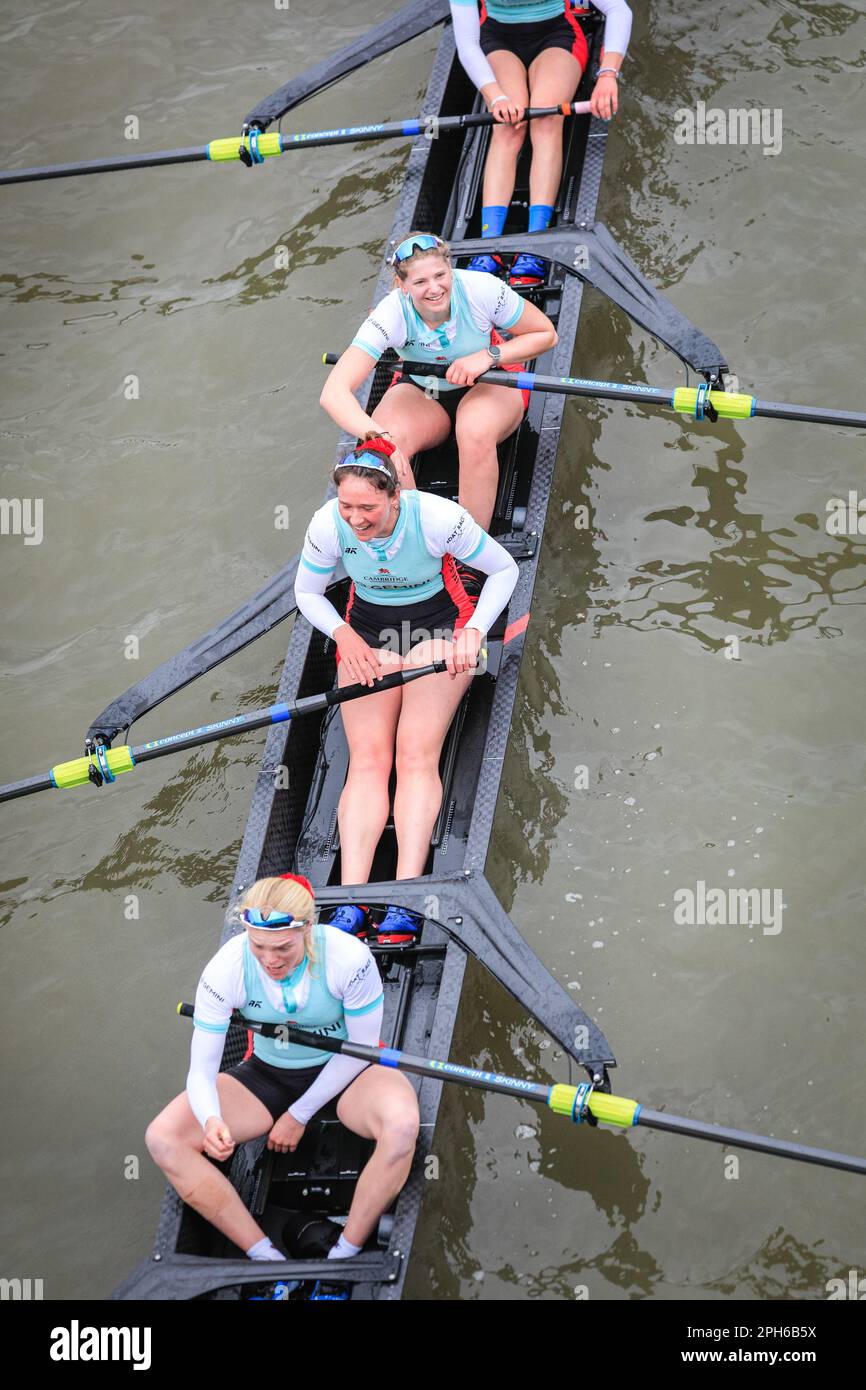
[(428, 283), (277, 952), (367, 509)]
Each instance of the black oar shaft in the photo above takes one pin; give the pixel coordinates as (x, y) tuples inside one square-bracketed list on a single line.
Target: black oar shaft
[(76, 772), (683, 400), (811, 414), (268, 146), (743, 1139), (113, 164), (608, 1109), (278, 714), (26, 787), (532, 381)]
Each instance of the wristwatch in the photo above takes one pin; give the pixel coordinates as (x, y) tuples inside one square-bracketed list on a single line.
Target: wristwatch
[(495, 353)]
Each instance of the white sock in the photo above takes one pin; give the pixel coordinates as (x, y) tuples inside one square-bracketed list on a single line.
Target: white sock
[(264, 1249), (343, 1250)]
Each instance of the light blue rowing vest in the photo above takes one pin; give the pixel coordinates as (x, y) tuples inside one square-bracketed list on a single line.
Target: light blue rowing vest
[(322, 1013), (398, 569), (425, 344)]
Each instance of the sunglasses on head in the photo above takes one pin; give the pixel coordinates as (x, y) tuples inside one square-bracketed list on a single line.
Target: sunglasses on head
[(422, 242), (253, 918)]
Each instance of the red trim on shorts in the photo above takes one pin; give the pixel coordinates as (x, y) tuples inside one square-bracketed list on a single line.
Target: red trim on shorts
[(249, 1052), (514, 629), (579, 47), (483, 11), (348, 611), (497, 340), (456, 592)]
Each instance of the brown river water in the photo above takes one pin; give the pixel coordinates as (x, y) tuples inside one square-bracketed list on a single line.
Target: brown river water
[(699, 650)]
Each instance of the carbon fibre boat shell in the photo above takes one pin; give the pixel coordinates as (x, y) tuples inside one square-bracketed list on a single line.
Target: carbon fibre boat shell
[(292, 819)]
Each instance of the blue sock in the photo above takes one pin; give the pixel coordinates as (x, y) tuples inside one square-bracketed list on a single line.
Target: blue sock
[(539, 216), (493, 219)]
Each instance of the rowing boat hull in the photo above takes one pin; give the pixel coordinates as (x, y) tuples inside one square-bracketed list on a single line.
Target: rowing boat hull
[(293, 826)]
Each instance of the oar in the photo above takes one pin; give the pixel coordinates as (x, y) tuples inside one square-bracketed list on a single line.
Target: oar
[(696, 401), (577, 1102), (103, 764), (254, 146)]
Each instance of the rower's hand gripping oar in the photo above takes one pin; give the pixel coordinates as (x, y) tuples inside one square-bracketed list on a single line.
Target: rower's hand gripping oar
[(699, 402), (577, 1103), (256, 146), (103, 764)]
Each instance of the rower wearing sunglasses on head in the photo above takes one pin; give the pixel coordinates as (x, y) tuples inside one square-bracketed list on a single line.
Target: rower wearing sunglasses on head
[(523, 53), (283, 967), (436, 314)]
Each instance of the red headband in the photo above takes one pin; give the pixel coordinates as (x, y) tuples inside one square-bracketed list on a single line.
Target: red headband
[(380, 446), (299, 878)]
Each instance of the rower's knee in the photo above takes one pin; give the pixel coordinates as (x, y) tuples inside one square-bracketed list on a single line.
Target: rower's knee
[(415, 755), (546, 129), (475, 437), (162, 1143), (374, 763), (396, 1143), (509, 138)]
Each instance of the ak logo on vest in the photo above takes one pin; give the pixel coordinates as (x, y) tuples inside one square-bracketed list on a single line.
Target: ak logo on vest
[(350, 550), (253, 1004)]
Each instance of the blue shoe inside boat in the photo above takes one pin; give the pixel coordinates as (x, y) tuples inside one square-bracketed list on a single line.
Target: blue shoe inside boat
[(398, 927), (491, 264), (349, 918), (527, 270)]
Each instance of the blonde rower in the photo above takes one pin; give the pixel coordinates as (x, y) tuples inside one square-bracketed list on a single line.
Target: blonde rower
[(284, 968), (436, 314)]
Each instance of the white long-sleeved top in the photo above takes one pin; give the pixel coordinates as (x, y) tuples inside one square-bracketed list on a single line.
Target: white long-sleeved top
[(351, 977), (467, 28), (386, 570)]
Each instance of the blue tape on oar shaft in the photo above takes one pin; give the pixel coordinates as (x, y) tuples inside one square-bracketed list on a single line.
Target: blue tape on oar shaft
[(280, 713), (525, 380), (389, 1057), (412, 127)]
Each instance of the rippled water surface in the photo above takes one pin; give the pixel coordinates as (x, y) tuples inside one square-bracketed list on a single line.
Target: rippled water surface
[(159, 517)]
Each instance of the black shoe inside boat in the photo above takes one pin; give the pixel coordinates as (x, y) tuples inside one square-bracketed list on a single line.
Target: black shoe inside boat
[(309, 1237)]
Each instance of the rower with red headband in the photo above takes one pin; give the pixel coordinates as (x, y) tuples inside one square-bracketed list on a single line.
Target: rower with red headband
[(407, 607), (285, 968), (455, 317)]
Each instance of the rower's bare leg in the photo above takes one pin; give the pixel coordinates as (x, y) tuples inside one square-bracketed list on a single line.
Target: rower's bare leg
[(414, 420), (486, 415), (428, 708), (174, 1140), (554, 77), (506, 141), (382, 1106), (370, 726)]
